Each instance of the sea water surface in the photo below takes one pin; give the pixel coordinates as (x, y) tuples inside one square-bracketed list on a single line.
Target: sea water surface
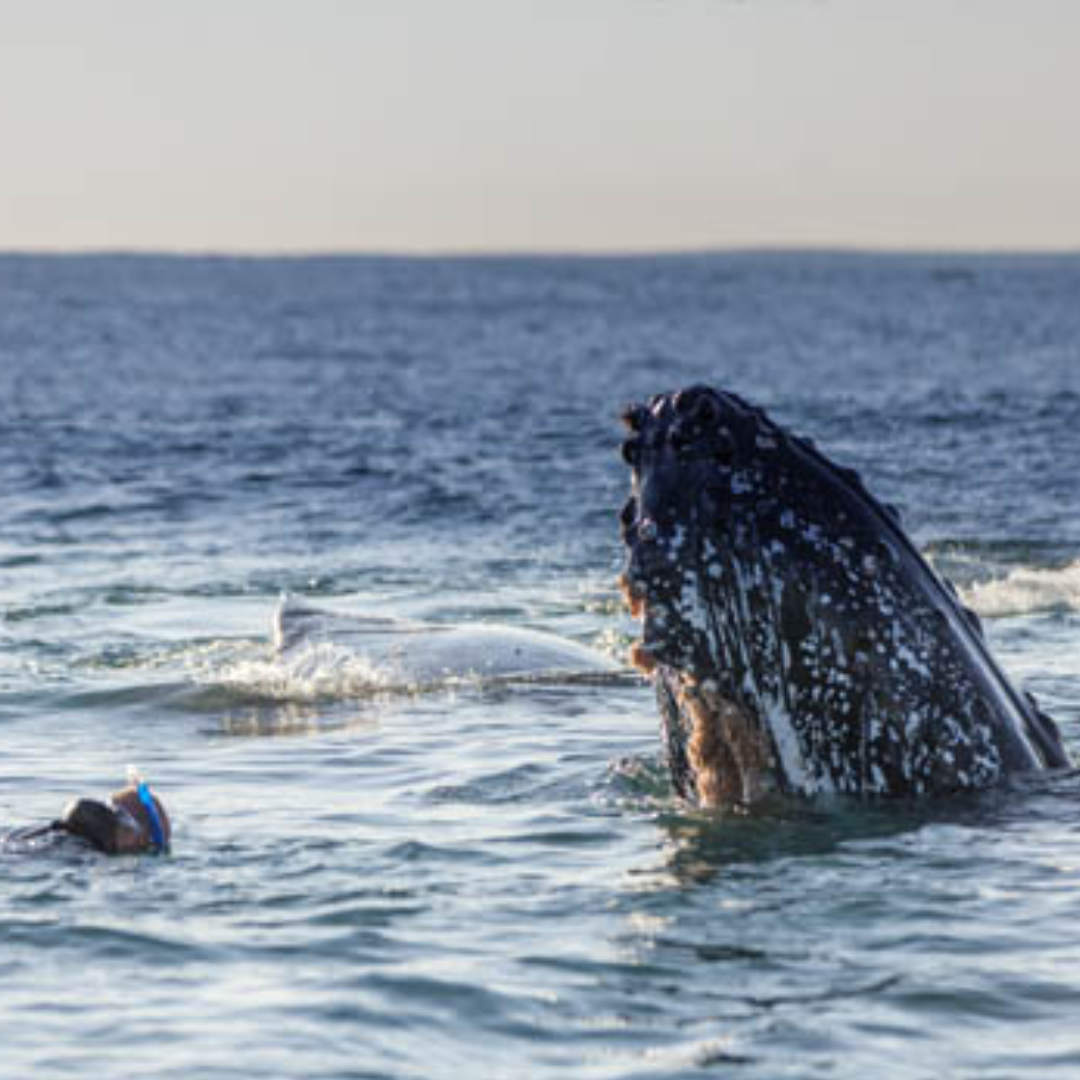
[(481, 878)]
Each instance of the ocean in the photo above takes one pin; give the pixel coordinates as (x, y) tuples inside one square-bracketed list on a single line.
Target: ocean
[(481, 877)]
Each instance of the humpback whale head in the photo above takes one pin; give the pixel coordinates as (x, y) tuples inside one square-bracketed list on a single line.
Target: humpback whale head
[(796, 638)]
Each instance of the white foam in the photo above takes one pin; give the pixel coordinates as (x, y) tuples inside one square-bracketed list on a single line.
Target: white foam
[(1026, 590), (310, 673)]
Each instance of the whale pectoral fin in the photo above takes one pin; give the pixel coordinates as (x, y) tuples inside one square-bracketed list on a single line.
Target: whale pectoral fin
[(297, 623), (289, 624)]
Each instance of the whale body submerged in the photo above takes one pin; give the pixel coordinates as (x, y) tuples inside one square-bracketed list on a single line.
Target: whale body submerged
[(797, 639), (407, 655)]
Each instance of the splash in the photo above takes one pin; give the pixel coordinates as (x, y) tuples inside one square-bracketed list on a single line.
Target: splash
[(318, 672), (1026, 590)]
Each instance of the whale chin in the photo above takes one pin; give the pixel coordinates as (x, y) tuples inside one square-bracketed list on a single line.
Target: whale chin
[(718, 753)]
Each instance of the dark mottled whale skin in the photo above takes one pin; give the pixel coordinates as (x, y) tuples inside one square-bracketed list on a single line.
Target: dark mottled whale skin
[(797, 639)]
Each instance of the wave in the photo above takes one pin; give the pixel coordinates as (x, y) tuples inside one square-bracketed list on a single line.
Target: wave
[(1026, 590)]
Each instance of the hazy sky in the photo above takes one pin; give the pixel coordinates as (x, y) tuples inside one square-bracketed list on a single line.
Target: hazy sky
[(298, 125)]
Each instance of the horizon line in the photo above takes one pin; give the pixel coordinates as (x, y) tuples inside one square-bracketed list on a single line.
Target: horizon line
[(511, 252)]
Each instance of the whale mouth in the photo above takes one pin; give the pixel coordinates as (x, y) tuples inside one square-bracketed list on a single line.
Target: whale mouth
[(654, 646), (643, 650), (718, 753), (727, 750)]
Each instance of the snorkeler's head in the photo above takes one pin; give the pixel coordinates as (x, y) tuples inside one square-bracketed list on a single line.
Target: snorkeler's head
[(132, 821)]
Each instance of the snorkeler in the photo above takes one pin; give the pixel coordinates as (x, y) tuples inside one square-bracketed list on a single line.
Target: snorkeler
[(133, 821)]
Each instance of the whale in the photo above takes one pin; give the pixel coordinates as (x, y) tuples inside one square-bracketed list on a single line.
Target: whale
[(412, 655), (798, 641)]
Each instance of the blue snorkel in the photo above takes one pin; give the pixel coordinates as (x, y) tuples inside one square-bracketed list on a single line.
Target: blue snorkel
[(157, 831), (157, 834)]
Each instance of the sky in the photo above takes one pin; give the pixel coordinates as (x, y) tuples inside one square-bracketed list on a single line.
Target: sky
[(424, 126)]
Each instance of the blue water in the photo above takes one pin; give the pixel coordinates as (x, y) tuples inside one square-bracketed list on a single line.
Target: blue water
[(483, 879)]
